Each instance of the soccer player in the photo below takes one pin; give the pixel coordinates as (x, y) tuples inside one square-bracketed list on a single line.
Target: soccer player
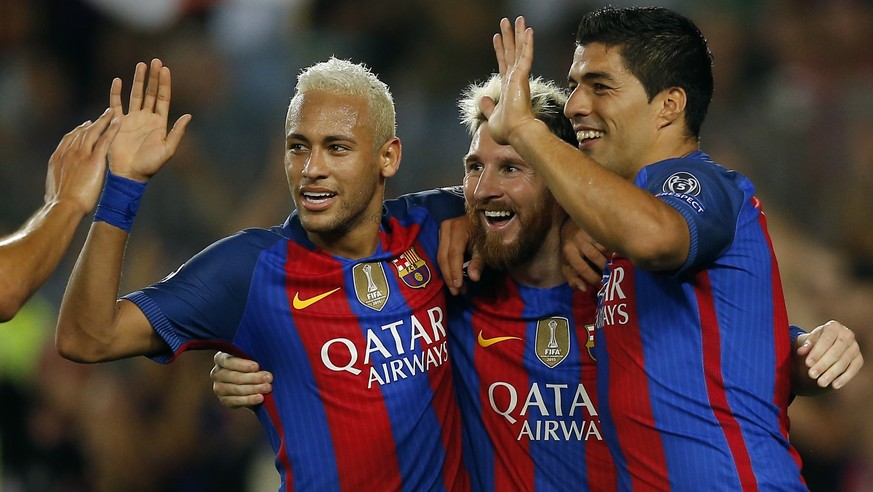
[(521, 339), (30, 254), (343, 301), (692, 348)]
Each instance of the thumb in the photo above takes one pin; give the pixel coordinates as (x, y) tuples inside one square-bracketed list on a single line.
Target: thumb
[(487, 105)]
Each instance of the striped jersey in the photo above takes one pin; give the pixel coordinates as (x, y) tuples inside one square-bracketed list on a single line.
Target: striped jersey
[(526, 384), (693, 365), (363, 397)]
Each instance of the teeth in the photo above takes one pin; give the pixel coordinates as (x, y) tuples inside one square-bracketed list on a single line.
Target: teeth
[(317, 197), (586, 134), (496, 214)]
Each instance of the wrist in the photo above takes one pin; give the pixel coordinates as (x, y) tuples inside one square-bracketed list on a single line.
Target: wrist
[(119, 202)]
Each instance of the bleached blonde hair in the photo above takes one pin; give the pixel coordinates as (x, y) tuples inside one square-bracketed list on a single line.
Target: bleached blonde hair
[(336, 76), (547, 101)]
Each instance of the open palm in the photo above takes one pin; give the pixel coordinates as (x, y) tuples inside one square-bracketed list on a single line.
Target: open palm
[(143, 144)]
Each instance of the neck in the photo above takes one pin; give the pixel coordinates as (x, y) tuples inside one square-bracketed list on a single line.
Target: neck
[(353, 241), (543, 269)]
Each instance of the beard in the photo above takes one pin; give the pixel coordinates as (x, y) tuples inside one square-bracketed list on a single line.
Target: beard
[(501, 254)]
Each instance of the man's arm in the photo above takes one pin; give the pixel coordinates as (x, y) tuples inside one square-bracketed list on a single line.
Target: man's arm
[(75, 173), (617, 214), (93, 325), (827, 357), (584, 259)]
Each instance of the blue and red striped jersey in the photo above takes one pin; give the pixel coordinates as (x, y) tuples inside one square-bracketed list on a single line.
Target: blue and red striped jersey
[(526, 384), (362, 397), (694, 364)]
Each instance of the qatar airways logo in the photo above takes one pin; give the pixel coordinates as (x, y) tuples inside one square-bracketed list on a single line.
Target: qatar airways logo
[(546, 412), (612, 300), (395, 347)]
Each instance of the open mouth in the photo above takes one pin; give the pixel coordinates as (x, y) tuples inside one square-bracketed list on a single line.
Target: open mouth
[(317, 198), (498, 218), (587, 136)]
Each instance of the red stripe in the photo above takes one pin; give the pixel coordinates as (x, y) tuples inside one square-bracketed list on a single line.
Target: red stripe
[(282, 454), (782, 390), (711, 339), (357, 416), (599, 465), (629, 400), (503, 361), (445, 405)]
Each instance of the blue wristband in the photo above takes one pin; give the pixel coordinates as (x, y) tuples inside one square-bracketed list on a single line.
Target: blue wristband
[(119, 202)]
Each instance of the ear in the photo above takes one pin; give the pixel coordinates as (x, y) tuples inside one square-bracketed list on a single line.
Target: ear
[(389, 157), (672, 102)]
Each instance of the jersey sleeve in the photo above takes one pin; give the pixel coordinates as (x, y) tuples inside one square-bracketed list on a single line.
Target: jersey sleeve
[(201, 304), (441, 203), (707, 196), (794, 332)]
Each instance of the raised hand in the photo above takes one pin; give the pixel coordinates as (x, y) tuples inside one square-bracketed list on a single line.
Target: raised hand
[(514, 50), (143, 144), (77, 166)]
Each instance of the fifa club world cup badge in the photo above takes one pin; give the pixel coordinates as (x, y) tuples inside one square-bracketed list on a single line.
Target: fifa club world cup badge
[(553, 340), (412, 269), (371, 285)]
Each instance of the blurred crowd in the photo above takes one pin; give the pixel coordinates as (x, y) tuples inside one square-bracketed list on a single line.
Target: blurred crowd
[(793, 110)]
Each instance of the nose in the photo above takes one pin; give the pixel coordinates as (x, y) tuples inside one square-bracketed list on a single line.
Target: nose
[(315, 166), (578, 104), (486, 185)]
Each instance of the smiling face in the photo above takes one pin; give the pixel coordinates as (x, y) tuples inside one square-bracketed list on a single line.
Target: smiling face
[(508, 204), (335, 169), (615, 123)]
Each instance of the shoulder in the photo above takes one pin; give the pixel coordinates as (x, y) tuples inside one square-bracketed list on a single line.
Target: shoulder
[(440, 203)]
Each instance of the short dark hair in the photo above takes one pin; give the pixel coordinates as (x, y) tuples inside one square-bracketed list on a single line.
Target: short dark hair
[(659, 47)]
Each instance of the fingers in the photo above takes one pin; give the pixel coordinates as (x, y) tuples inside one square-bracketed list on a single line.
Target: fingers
[(115, 97), (497, 41), (150, 90), (136, 89), (237, 382), (572, 277), (95, 130), (162, 104), (176, 133), (71, 137), (834, 355), (508, 42), (850, 372), (475, 266), (454, 237), (519, 38), (239, 396), (226, 361), (487, 105), (828, 340), (154, 82)]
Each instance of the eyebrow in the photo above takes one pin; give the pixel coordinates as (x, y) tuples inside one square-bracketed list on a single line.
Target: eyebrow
[(513, 161), (327, 139), (592, 76)]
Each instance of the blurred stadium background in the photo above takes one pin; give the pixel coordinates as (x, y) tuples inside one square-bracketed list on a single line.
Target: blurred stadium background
[(793, 110)]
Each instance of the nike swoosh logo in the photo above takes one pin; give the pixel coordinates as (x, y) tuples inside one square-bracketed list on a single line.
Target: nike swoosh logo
[(305, 303), (487, 342)]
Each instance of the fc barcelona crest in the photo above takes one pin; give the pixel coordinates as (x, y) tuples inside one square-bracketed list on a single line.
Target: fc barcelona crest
[(371, 285), (412, 269), (553, 340)]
